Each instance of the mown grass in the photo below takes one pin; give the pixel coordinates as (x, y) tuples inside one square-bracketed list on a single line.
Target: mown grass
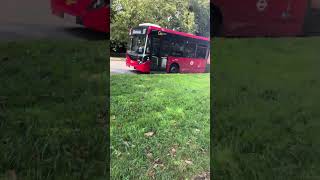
[(266, 108), (52, 107), (174, 107)]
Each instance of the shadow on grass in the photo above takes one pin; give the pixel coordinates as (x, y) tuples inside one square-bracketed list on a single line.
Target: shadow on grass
[(164, 72), (87, 34)]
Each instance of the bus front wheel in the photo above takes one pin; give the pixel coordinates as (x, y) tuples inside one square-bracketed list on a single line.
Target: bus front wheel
[(174, 68)]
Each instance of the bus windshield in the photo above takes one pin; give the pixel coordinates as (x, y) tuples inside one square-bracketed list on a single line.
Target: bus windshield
[(137, 44)]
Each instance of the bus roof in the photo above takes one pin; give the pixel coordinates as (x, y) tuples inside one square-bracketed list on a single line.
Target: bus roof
[(177, 33)]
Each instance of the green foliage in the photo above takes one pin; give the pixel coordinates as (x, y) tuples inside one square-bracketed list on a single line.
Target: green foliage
[(201, 9), (172, 14)]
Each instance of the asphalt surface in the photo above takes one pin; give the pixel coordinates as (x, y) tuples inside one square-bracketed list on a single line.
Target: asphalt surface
[(118, 66), (32, 19)]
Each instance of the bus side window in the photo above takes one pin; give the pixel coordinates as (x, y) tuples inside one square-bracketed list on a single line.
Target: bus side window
[(148, 47), (155, 46), (176, 50), (177, 47), (190, 50), (201, 51), (177, 53), (166, 48)]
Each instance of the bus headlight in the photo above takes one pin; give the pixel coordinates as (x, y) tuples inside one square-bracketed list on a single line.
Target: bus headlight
[(146, 58), (142, 59)]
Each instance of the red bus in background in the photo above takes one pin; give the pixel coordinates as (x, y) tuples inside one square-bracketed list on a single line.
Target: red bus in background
[(93, 14), (152, 48), (265, 17)]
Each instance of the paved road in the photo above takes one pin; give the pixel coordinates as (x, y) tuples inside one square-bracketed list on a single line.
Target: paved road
[(32, 19), (118, 66)]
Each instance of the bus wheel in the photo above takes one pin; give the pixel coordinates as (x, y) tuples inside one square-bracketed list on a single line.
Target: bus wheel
[(174, 68)]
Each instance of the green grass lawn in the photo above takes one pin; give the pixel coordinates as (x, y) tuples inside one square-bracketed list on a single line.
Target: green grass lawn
[(160, 126), (52, 109), (266, 106)]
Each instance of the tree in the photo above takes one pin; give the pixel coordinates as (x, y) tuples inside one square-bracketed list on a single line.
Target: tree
[(126, 14), (201, 9)]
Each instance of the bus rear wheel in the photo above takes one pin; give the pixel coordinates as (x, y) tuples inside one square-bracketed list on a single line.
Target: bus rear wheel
[(174, 68)]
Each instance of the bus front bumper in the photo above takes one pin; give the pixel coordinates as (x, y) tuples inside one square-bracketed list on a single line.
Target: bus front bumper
[(143, 67)]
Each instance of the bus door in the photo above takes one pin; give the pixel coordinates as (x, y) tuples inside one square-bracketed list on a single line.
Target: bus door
[(158, 62)]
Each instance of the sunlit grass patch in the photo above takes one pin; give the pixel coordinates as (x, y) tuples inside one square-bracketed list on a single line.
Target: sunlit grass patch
[(160, 125)]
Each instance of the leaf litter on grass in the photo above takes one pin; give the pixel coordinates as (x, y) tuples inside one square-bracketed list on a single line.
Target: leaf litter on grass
[(167, 128), (149, 134), (202, 176)]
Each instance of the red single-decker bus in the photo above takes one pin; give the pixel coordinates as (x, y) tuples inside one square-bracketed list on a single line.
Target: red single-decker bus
[(153, 48)]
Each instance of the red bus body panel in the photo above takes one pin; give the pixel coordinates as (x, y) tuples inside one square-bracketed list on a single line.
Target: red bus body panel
[(262, 17), (188, 65), (144, 67), (60, 6), (96, 19)]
